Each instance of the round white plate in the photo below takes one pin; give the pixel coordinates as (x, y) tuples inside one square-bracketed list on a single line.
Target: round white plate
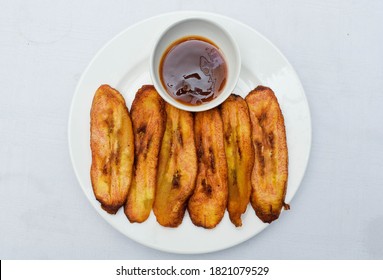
[(123, 63)]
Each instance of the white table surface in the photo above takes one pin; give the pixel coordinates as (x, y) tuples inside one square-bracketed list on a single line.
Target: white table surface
[(336, 48)]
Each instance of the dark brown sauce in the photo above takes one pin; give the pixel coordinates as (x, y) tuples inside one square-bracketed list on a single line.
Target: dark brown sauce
[(193, 70)]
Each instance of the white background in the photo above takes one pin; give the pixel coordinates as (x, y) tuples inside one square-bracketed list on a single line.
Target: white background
[(336, 47)]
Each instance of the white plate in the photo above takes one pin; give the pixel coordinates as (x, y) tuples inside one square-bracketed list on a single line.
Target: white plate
[(124, 64)]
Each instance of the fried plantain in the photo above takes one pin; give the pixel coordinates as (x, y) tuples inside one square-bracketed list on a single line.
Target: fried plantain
[(239, 154), (270, 171), (148, 117), (112, 145), (177, 168), (208, 203)]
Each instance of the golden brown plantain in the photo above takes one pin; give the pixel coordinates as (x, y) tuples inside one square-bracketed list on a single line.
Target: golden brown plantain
[(177, 168), (148, 117), (208, 203), (239, 154), (112, 145), (269, 176)]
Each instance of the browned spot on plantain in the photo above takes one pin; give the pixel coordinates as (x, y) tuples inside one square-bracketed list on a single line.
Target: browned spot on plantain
[(176, 180), (177, 168), (150, 138), (228, 131), (111, 139), (239, 150), (259, 156), (109, 123), (270, 137), (141, 129), (105, 169), (208, 203), (212, 159), (270, 171), (262, 118), (199, 151), (207, 189), (148, 118), (239, 154), (179, 136)]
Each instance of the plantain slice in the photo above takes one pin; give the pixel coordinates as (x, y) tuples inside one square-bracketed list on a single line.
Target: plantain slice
[(239, 154), (112, 145), (148, 117), (270, 171), (177, 168), (208, 203)]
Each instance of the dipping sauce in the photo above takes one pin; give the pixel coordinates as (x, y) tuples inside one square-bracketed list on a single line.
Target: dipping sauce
[(193, 70)]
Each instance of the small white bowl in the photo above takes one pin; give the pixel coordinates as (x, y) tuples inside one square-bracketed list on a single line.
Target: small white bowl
[(202, 28)]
